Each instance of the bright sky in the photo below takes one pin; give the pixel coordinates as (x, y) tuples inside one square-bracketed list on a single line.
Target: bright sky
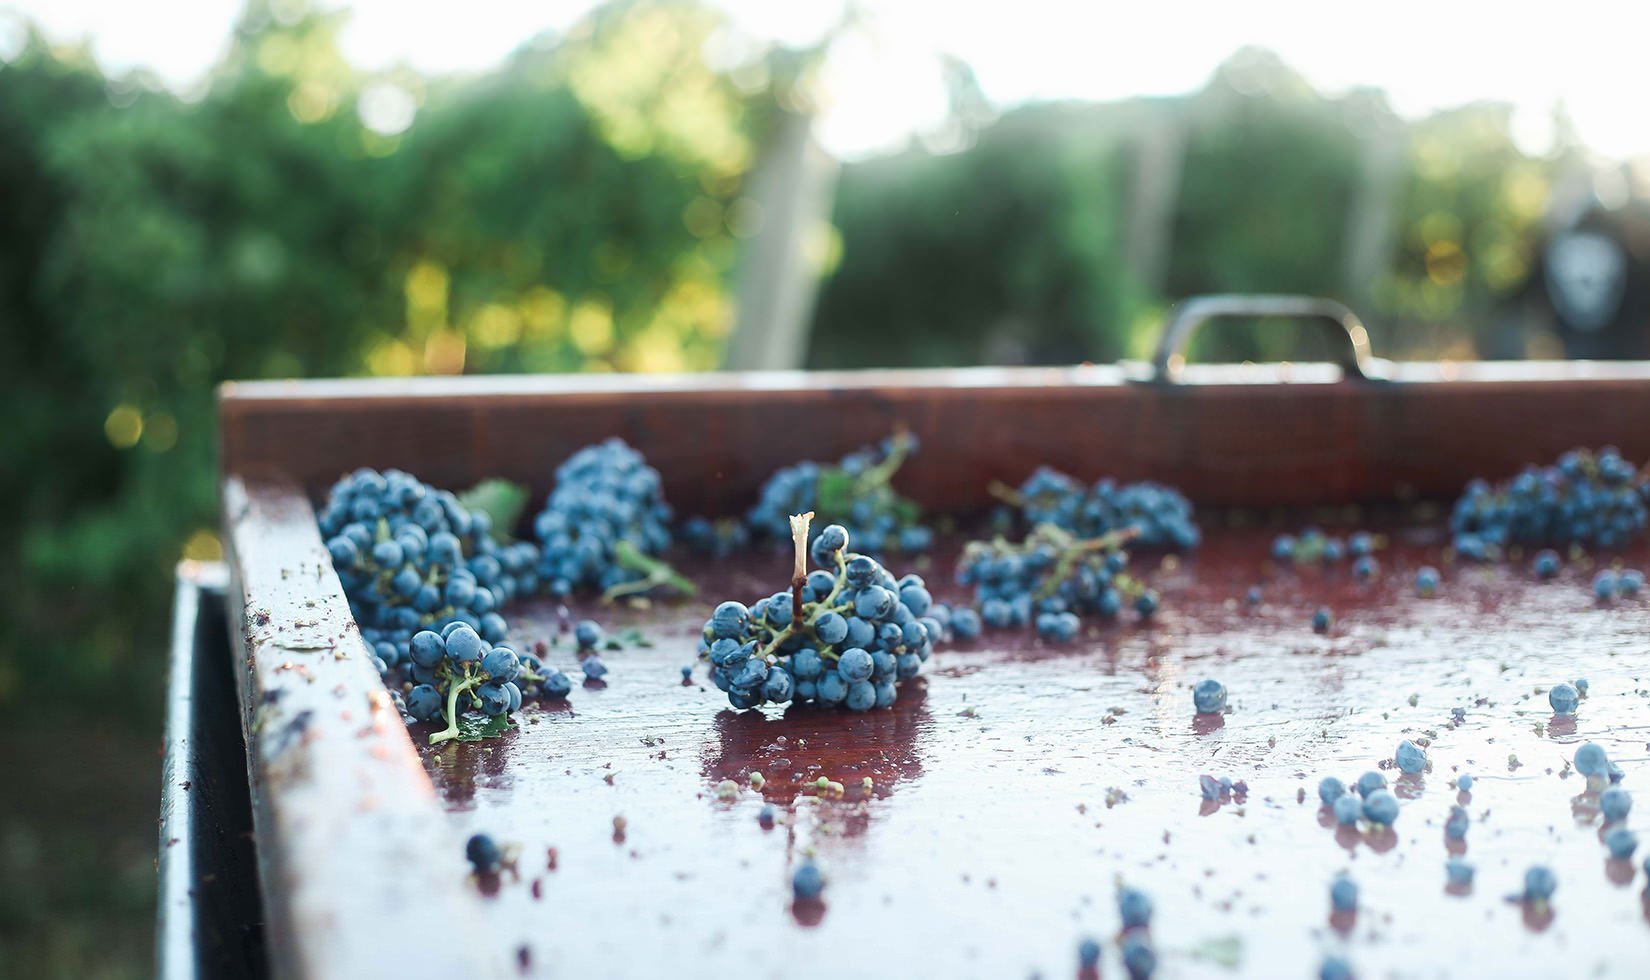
[(885, 84)]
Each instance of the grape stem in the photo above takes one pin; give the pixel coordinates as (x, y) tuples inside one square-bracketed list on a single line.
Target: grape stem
[(451, 731), (884, 471), (654, 573), (799, 569), (1006, 493)]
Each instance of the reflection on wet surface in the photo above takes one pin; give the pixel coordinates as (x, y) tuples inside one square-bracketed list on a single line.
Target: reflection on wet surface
[(1014, 783)]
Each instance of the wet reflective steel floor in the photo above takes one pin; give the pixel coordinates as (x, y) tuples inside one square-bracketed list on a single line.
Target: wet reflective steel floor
[(985, 821)]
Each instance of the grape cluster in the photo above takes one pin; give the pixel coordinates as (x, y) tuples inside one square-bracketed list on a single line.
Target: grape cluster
[(1312, 546), (854, 493), (603, 521), (412, 557), (1585, 498), (1159, 516), (858, 633), (456, 673), (1050, 580)]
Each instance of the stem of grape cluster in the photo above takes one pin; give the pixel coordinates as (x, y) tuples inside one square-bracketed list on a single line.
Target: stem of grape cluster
[(799, 570)]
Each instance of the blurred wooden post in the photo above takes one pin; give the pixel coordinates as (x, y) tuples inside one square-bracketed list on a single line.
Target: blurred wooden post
[(1155, 188), (793, 185), (1371, 221)]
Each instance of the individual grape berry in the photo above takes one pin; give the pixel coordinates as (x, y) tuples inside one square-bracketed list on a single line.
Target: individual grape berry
[(427, 649), (1615, 802), (1322, 619), (464, 645), (1426, 582), (807, 882), (1590, 760), (1343, 894), (965, 624), (1621, 843), (1088, 954), (1564, 698), (588, 634), (1209, 696), (1581, 686), (1253, 596), (593, 668), (766, 816), (1361, 544), (1060, 627), (1539, 884), (1459, 873), (494, 700), (501, 664), (854, 666), (1139, 959), (1330, 789), (1547, 564), (1283, 547), (1335, 968), (1134, 907), (1348, 809), (423, 702), (1146, 603), (1457, 824), (1369, 782), (483, 853), (1604, 585), (1411, 760), (1630, 582), (1381, 807), (1463, 782), (1365, 568)]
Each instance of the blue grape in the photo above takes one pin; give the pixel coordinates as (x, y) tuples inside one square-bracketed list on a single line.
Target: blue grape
[(1426, 582), (501, 664), (1348, 809), (1381, 807), (1459, 872), (423, 702), (1330, 789), (593, 668), (1463, 782), (1138, 957), (1564, 698), (1590, 760), (1322, 619), (588, 634), (1209, 696), (965, 624), (1135, 908), (1585, 497), (1604, 585), (1088, 954), (807, 882), (1615, 803), (1547, 564), (854, 666), (1457, 824), (1343, 894), (1335, 968), (1621, 843), (493, 698), (1410, 758), (1539, 883), (483, 853), (606, 499)]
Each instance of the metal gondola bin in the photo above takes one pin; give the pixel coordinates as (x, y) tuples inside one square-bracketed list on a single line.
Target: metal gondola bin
[(983, 821)]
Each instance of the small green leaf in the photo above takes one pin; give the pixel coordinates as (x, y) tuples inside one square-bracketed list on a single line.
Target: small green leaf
[(500, 500), (473, 726), (1225, 951), (836, 493)]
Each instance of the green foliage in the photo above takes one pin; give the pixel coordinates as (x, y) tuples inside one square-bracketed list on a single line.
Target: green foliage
[(534, 218), (1007, 251)]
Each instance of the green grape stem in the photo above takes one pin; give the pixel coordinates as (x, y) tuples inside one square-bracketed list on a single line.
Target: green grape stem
[(655, 573), (468, 681)]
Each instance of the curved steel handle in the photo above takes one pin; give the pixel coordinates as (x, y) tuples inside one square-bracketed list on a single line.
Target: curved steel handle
[(1345, 331)]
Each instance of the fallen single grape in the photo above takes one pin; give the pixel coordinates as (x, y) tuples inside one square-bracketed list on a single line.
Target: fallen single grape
[(808, 882), (1330, 789), (484, 853), (1615, 803), (1381, 807), (1590, 760), (1463, 782), (1209, 696), (1343, 894), (1369, 782), (1135, 908), (1564, 698), (1621, 843), (1410, 758), (1539, 883), (1459, 872), (1348, 809)]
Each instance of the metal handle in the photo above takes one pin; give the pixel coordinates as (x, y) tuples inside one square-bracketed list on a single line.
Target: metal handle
[(1345, 331)]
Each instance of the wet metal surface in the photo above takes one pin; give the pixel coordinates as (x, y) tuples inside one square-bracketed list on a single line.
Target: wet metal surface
[(1014, 784)]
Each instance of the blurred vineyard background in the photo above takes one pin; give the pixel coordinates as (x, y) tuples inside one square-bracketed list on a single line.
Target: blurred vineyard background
[(604, 200)]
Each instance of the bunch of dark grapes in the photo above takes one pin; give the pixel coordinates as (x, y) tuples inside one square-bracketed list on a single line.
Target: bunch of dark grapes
[(604, 522), (1051, 580), (1585, 498), (854, 493), (1159, 516), (715, 539), (845, 634), (456, 673), (412, 557)]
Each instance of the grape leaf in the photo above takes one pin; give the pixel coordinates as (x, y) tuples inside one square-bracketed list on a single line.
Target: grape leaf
[(836, 492), (500, 500), (473, 726)]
